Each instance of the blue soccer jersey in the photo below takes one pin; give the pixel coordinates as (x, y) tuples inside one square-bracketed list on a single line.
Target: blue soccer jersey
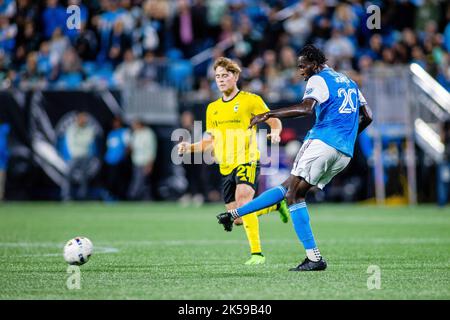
[(337, 112)]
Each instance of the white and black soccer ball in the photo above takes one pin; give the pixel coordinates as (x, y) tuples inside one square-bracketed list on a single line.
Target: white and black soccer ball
[(77, 251)]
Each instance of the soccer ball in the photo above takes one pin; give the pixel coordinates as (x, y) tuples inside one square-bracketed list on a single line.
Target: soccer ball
[(77, 251)]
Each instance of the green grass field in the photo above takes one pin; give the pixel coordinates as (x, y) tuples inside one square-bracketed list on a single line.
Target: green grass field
[(163, 251)]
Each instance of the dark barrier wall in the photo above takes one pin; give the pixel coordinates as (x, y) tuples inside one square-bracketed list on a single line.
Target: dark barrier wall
[(38, 120)]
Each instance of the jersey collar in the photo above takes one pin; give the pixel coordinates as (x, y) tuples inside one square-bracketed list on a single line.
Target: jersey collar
[(239, 91)]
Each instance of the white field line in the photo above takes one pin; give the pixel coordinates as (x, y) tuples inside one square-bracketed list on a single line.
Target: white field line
[(48, 245), (206, 242), (215, 242)]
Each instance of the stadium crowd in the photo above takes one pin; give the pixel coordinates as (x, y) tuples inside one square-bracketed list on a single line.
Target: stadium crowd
[(122, 39)]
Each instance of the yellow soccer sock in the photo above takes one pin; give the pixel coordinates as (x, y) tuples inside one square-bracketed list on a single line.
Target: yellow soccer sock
[(251, 226), (266, 210)]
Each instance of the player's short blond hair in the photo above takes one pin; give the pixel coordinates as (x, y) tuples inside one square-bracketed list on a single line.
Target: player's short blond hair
[(227, 64)]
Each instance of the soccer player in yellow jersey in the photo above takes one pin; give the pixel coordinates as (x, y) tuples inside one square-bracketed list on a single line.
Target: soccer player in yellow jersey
[(235, 148)]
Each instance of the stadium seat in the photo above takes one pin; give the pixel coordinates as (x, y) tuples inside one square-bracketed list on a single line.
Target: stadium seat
[(174, 54), (180, 75), (71, 80), (89, 67)]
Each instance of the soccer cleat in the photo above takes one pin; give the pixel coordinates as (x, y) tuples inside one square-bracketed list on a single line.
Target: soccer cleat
[(284, 211), (226, 219), (255, 259), (308, 265)]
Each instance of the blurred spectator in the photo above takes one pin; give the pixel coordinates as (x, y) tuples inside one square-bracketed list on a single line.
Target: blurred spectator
[(189, 27), (4, 154), (117, 147), (393, 170), (154, 25), (128, 70), (388, 56), (428, 11), (215, 11), (346, 21), (143, 153), (31, 77), (150, 69), (443, 174), (119, 43), (194, 172), (271, 75), (8, 33), (339, 50), (8, 8), (7, 74), (29, 39), (27, 11), (226, 29), (288, 66), (105, 23), (321, 26), (409, 37), (246, 46), (365, 63), (298, 26), (418, 56), (86, 43), (45, 65), (80, 139), (253, 78), (430, 30), (71, 72), (273, 29), (375, 47), (58, 45), (53, 17), (402, 53)]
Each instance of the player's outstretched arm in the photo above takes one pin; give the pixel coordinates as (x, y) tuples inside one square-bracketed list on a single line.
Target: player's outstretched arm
[(202, 145), (365, 117), (305, 108), (275, 130)]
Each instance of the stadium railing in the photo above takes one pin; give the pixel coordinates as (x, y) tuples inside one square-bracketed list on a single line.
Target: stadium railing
[(430, 109)]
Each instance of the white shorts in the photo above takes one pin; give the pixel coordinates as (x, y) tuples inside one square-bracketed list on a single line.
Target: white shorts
[(318, 163)]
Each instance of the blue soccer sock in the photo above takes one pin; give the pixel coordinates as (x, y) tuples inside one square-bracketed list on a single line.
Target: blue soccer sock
[(264, 200), (300, 219)]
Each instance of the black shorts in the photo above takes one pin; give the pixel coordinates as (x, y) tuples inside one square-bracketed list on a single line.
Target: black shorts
[(244, 173)]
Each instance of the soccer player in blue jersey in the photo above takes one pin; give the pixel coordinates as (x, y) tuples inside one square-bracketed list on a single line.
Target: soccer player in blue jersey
[(341, 114)]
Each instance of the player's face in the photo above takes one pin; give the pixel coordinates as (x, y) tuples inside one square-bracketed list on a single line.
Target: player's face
[(306, 68), (225, 80)]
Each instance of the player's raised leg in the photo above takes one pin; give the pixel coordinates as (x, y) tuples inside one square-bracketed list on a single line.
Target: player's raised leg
[(266, 199), (300, 219)]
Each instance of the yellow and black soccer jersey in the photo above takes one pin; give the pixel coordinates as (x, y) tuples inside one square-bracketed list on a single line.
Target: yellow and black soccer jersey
[(227, 122)]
